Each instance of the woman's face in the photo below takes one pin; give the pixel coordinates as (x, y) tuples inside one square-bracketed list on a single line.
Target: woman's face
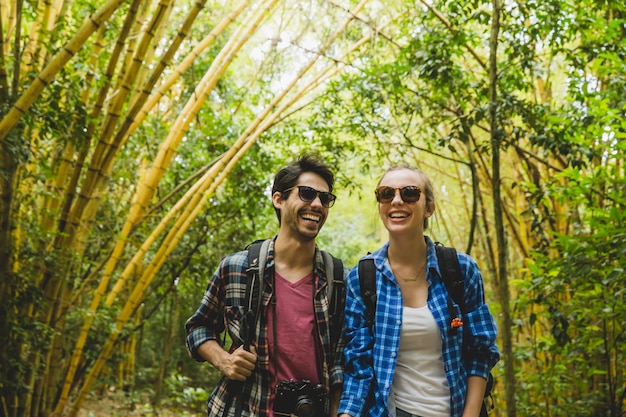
[(398, 215)]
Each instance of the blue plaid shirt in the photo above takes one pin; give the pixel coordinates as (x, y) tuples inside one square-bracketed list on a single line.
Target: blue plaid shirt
[(370, 363), (222, 309)]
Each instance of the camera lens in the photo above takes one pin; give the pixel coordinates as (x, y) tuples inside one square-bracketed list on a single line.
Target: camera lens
[(305, 407)]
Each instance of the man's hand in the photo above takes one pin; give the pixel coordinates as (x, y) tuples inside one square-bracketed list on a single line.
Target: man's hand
[(237, 366)]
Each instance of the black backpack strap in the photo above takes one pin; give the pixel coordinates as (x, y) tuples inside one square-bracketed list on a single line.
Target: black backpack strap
[(257, 257), (453, 280), (455, 284), (336, 294), (451, 274), (367, 281), (334, 279)]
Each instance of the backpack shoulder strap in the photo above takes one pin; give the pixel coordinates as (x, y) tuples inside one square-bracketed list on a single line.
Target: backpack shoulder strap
[(455, 284), (335, 282), (367, 281), (336, 294), (451, 274), (257, 257)]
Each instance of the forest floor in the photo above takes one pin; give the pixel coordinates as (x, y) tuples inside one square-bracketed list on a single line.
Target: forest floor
[(116, 405)]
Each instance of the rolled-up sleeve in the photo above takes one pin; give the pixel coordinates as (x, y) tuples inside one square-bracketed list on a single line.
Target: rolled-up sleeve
[(203, 326), (220, 305), (480, 352)]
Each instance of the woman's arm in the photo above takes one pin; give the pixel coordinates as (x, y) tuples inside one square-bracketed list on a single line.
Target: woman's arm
[(476, 386)]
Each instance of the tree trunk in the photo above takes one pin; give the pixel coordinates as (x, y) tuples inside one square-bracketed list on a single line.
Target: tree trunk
[(502, 272), (170, 339)]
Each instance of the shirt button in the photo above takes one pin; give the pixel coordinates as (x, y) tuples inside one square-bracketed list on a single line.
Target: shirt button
[(393, 355), (398, 322)]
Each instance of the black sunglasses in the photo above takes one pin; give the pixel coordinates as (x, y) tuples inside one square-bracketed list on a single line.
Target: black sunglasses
[(308, 194), (409, 194)]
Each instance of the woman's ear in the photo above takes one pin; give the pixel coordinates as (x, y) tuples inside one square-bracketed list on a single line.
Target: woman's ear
[(430, 208)]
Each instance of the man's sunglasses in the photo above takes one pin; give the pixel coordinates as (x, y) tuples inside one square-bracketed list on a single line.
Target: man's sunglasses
[(308, 194), (409, 194)]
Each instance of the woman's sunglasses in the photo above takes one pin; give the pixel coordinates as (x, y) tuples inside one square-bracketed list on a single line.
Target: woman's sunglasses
[(308, 194), (409, 194)]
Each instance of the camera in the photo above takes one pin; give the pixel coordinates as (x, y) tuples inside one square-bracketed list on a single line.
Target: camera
[(303, 399)]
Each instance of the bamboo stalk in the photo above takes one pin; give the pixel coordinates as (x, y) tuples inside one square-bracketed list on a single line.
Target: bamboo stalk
[(44, 78), (139, 100), (167, 150), (115, 108), (95, 302), (182, 67), (96, 175), (86, 206), (66, 217), (4, 81), (53, 9), (7, 23), (195, 199), (154, 55), (57, 186), (29, 55)]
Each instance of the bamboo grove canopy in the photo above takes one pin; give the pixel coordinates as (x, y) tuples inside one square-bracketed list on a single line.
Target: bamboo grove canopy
[(138, 139)]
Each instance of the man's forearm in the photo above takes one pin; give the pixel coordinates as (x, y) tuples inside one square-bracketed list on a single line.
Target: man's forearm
[(212, 352)]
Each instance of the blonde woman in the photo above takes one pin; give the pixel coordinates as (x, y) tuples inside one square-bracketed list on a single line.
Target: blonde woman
[(412, 362)]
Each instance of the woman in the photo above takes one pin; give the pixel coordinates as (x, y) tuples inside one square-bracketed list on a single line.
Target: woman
[(410, 362)]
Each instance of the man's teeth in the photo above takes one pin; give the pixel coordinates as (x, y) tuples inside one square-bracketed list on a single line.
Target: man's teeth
[(311, 217)]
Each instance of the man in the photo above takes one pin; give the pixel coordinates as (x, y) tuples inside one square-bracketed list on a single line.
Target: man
[(293, 337)]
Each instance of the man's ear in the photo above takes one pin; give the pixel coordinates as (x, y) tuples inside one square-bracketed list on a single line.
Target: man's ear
[(277, 199)]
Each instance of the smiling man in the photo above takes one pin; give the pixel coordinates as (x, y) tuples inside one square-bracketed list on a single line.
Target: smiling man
[(293, 365)]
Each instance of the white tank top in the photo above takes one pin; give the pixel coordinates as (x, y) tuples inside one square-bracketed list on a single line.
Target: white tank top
[(420, 385)]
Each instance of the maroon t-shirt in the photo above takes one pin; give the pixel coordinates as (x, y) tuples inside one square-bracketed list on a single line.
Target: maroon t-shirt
[(296, 356)]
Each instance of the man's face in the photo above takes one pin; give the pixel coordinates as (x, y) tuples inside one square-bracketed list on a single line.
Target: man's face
[(302, 220)]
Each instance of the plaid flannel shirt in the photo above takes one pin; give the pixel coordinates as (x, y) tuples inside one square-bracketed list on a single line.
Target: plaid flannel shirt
[(222, 309), (471, 351)]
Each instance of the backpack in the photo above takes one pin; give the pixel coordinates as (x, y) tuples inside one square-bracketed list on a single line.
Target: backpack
[(257, 256), (455, 284)]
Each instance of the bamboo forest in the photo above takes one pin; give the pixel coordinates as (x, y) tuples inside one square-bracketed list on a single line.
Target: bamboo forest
[(139, 140)]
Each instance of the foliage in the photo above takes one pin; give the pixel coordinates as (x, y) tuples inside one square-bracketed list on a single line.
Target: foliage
[(578, 292), (90, 208)]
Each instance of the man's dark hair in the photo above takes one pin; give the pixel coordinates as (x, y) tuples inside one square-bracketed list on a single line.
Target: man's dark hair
[(288, 176)]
